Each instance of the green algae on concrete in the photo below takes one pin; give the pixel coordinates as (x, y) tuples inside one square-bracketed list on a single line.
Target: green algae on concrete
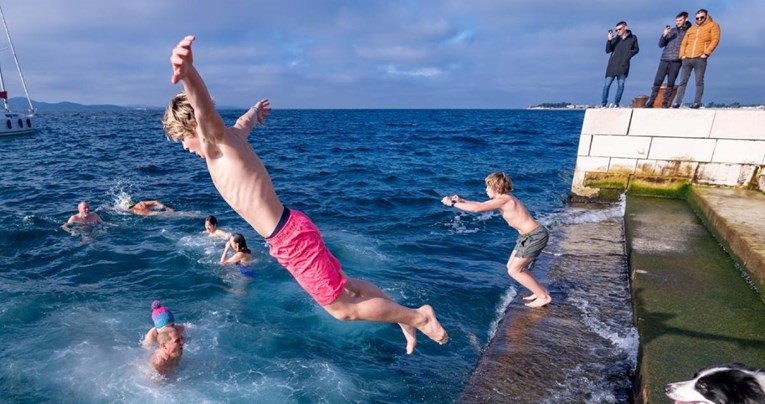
[(692, 307), (659, 187)]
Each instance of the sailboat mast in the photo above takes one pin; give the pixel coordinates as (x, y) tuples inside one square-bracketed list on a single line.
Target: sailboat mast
[(18, 66)]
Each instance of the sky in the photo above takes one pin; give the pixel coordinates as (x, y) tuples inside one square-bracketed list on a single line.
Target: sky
[(365, 53)]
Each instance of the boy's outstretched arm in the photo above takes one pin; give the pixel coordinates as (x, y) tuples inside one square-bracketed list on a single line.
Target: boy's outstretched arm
[(471, 206), (210, 126), (255, 115)]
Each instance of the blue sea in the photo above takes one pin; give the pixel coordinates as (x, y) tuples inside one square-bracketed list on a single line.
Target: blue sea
[(73, 308)]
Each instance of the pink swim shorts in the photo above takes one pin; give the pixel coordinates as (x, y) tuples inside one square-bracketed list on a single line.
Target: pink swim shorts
[(298, 246)]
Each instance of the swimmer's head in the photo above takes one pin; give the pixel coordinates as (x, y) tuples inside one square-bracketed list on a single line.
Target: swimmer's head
[(126, 204), (161, 315), (211, 223)]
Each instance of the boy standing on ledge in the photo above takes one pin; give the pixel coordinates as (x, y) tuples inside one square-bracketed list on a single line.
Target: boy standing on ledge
[(533, 236), (293, 239)]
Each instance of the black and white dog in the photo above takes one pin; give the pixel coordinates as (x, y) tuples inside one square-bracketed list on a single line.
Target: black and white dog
[(722, 384)]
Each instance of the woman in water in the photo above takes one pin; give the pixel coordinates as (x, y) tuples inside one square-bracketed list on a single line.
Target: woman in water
[(242, 257)]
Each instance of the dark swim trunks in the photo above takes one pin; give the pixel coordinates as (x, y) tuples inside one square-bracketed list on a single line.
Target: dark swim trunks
[(531, 244)]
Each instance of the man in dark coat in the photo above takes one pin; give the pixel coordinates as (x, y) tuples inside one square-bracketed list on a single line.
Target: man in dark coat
[(622, 47), (669, 66)]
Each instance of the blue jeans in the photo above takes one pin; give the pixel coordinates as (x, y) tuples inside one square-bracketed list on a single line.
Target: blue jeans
[(619, 88)]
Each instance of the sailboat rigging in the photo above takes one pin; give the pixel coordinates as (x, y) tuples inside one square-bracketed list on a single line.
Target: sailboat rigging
[(14, 122)]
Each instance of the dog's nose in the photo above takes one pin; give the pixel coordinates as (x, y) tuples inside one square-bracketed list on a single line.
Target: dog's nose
[(668, 388)]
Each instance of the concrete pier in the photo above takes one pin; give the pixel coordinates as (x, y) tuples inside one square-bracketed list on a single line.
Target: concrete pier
[(662, 151)]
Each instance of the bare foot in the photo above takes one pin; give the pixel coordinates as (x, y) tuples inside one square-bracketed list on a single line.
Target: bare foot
[(540, 302), (530, 298), (410, 333), (432, 328)]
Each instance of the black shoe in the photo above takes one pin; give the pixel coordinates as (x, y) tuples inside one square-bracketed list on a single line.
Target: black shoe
[(695, 106), (676, 106)]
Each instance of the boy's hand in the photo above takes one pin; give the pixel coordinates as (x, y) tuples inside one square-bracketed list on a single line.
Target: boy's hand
[(182, 58), (263, 109), (447, 200)]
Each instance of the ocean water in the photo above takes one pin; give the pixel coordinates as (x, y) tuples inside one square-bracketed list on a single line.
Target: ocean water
[(73, 308)]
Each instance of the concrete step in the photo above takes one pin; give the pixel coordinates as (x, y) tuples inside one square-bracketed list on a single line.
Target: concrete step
[(693, 304)]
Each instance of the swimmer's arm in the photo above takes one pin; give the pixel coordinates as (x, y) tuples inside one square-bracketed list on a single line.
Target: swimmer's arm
[(68, 229), (158, 204), (255, 115), (98, 219), (150, 338), (233, 259)]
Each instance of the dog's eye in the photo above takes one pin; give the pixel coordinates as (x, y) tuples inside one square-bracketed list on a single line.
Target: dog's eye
[(701, 387)]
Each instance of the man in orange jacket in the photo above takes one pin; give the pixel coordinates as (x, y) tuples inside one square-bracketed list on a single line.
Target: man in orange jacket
[(698, 44)]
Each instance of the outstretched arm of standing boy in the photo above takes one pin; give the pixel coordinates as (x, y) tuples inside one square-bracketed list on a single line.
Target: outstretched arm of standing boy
[(470, 206)]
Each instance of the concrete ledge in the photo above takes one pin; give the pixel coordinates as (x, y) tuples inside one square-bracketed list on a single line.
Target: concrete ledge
[(736, 218), (692, 307)]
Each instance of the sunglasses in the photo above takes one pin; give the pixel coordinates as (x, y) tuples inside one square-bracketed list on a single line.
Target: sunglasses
[(701, 18)]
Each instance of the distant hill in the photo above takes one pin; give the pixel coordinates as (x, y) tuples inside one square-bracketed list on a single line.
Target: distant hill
[(20, 103)]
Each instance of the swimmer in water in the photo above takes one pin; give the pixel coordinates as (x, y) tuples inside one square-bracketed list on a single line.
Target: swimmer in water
[(145, 208), (84, 216), (242, 257), (211, 227), (168, 356), (294, 240)]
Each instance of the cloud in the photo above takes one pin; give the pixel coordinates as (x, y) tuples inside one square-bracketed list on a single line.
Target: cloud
[(371, 54)]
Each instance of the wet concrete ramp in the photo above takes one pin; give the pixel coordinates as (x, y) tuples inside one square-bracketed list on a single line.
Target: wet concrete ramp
[(582, 348)]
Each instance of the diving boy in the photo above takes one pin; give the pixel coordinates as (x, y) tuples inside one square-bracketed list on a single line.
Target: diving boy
[(243, 182), (533, 236)]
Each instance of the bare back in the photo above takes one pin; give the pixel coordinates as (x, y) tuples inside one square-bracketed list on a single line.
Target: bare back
[(516, 215), (244, 183)]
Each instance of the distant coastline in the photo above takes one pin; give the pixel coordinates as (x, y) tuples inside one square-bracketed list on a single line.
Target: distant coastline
[(20, 103)]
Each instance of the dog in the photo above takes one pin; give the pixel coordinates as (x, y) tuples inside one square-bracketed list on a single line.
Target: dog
[(722, 384)]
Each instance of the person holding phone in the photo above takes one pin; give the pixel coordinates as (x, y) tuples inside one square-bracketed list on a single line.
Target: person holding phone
[(669, 65), (622, 47)]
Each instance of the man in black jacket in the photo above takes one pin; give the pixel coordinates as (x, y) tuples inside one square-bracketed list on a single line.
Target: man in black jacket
[(670, 63), (622, 47)]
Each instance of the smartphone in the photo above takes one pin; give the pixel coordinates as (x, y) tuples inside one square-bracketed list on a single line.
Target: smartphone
[(610, 31), (667, 27)]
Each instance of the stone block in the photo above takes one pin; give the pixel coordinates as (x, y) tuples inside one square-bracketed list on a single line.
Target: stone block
[(666, 168), (682, 149), (619, 146), (732, 124), (606, 121), (732, 175), (739, 151), (618, 165), (598, 164), (672, 123), (584, 145)]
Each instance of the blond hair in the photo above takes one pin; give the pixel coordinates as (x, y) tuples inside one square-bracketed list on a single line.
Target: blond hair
[(499, 182), (178, 118)]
